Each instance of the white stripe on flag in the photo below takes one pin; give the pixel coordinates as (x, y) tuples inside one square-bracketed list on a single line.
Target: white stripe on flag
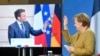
[(98, 33), (38, 21), (95, 22)]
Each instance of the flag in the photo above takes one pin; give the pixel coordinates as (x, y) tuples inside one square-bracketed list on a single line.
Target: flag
[(46, 17), (95, 21), (41, 39), (38, 24), (56, 27)]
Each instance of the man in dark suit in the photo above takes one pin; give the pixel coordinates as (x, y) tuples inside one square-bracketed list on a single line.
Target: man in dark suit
[(21, 28)]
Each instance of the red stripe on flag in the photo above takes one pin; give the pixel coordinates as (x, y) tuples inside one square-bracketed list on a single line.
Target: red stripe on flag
[(41, 39), (98, 55)]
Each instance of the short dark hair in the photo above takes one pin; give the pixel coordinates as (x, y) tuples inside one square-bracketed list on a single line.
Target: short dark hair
[(84, 18), (18, 12)]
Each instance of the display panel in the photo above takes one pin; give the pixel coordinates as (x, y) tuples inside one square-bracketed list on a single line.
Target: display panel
[(36, 15)]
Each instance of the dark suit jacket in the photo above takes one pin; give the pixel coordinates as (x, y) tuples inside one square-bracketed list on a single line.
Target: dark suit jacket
[(14, 31)]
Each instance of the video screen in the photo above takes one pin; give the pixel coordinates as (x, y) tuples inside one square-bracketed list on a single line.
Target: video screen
[(32, 25)]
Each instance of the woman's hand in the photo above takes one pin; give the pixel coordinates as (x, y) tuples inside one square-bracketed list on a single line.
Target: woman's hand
[(65, 20), (70, 48)]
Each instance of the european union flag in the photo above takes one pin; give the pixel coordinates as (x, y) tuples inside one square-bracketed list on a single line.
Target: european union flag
[(46, 17)]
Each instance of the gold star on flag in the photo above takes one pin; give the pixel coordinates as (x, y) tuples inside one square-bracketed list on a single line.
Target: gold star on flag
[(45, 13), (48, 32)]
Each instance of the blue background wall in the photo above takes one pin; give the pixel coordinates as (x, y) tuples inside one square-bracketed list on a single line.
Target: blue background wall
[(70, 8)]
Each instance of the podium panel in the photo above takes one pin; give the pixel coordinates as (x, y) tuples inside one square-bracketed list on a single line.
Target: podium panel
[(23, 42)]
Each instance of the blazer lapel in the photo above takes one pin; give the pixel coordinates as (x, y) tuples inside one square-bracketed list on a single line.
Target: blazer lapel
[(19, 30)]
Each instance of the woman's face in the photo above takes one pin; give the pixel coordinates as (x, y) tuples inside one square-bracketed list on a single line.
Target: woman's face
[(77, 24)]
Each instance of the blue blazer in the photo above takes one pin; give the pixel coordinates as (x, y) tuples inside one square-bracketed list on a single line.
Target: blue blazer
[(15, 32)]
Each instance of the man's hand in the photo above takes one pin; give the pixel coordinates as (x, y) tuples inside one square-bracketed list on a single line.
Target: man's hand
[(45, 25)]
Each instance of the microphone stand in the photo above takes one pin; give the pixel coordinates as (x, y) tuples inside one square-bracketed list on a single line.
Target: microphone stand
[(24, 51), (31, 51), (18, 51)]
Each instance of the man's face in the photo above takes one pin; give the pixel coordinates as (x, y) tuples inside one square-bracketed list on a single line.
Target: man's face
[(77, 24), (22, 17)]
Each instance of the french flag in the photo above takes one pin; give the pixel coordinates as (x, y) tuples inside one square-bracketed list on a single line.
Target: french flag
[(38, 24), (95, 22)]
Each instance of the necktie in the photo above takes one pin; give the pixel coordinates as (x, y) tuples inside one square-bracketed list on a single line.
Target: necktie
[(23, 28)]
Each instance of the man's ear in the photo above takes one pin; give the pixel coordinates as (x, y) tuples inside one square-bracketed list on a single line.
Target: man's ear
[(18, 18)]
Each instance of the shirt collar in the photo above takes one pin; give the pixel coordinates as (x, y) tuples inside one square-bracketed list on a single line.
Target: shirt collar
[(19, 22)]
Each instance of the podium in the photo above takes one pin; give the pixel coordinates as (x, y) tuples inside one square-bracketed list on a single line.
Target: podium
[(23, 43)]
